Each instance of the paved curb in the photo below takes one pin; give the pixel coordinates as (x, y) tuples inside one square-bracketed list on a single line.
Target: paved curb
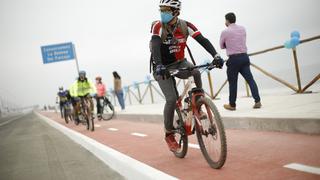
[(292, 125), (125, 165)]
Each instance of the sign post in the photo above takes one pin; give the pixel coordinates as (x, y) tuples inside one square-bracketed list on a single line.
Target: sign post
[(75, 57), (59, 52)]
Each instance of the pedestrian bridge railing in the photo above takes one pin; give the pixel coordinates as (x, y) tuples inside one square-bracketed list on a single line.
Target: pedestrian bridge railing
[(149, 91)]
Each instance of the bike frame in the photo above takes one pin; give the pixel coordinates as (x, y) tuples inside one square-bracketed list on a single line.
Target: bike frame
[(84, 102), (194, 107), (106, 100), (190, 121)]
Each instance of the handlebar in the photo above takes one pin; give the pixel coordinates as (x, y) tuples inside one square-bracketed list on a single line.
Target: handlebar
[(206, 66)]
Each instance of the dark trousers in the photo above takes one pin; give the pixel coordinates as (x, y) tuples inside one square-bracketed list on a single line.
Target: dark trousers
[(240, 64), (99, 105)]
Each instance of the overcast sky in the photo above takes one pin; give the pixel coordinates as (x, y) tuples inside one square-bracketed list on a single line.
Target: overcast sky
[(114, 35)]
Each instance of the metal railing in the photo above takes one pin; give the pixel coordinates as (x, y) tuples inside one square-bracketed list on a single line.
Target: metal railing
[(133, 92)]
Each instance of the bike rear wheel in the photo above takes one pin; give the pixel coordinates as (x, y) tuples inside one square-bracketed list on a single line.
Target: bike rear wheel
[(180, 136), (211, 137), (107, 110)]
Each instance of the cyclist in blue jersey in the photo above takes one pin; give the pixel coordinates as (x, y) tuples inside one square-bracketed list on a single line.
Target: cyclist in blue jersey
[(63, 97)]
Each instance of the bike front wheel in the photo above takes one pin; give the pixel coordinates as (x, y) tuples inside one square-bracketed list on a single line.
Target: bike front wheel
[(91, 122), (88, 116), (211, 134), (107, 110)]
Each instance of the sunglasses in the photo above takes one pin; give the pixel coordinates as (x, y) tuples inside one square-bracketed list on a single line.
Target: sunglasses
[(165, 9)]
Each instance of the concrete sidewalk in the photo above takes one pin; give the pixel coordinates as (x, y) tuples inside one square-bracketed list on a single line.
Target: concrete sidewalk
[(283, 111)]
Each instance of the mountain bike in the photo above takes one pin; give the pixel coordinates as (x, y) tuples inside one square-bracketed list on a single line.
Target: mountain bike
[(199, 115), (107, 109), (85, 115)]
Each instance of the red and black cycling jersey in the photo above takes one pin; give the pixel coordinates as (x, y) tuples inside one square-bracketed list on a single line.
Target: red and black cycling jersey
[(168, 46), (172, 47)]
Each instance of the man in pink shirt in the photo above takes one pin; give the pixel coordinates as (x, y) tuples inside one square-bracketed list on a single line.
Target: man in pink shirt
[(101, 92), (233, 39)]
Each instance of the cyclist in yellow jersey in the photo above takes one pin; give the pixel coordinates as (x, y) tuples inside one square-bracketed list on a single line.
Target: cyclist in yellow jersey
[(82, 88)]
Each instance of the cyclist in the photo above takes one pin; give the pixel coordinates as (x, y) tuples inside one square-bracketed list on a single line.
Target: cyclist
[(62, 98), (81, 88), (101, 92), (169, 36)]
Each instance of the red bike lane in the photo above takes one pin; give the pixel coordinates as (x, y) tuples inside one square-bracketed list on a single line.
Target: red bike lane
[(251, 154)]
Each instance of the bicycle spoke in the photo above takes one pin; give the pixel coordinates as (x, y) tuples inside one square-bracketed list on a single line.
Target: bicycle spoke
[(212, 141), (211, 135)]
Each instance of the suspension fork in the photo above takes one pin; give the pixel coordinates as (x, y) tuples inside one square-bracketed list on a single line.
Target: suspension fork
[(196, 109)]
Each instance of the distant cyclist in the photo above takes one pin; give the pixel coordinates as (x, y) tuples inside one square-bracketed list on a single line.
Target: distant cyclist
[(169, 37), (82, 88), (101, 92), (62, 98)]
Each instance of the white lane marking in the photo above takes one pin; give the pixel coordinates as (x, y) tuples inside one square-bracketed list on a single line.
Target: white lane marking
[(139, 134), (125, 165), (112, 129), (97, 125), (196, 146), (9, 121), (304, 168)]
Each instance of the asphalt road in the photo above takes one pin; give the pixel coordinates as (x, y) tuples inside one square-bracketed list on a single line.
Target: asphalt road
[(31, 149)]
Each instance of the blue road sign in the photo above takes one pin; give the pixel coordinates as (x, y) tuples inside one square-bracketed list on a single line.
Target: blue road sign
[(57, 52)]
